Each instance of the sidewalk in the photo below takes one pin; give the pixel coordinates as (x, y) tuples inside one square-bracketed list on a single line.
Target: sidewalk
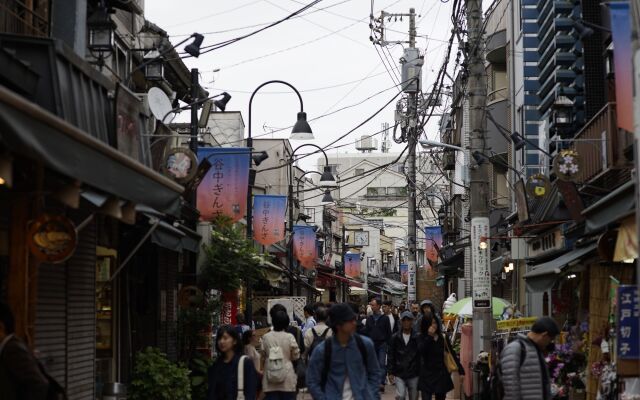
[(389, 394)]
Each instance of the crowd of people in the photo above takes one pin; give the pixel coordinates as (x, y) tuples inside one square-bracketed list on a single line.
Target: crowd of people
[(341, 351)]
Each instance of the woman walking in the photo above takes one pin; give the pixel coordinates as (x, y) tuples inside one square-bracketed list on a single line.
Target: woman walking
[(224, 382), (434, 348), (280, 349)]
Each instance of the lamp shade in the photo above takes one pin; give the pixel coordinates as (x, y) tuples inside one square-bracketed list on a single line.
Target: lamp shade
[(222, 103), (101, 28), (327, 180), (301, 130), (518, 142), (193, 49), (327, 198)]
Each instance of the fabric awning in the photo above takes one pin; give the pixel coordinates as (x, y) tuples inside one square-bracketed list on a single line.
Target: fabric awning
[(168, 237), (33, 132), (544, 275), (191, 240)]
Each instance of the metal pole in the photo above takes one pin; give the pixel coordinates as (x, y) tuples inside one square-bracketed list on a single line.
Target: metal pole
[(479, 185), (411, 174), (193, 126), (344, 252), (290, 250)]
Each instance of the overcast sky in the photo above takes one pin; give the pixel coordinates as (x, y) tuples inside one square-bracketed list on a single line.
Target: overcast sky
[(325, 54)]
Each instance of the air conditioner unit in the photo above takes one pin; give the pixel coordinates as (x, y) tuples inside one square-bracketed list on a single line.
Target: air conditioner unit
[(367, 143)]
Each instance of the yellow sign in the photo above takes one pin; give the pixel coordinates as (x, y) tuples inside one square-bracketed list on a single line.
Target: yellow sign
[(515, 323)]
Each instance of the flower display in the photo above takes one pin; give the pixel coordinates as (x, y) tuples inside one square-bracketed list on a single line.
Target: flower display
[(567, 368)]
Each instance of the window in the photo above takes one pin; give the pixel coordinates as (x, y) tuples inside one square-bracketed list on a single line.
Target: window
[(397, 191), (359, 171), (372, 191)]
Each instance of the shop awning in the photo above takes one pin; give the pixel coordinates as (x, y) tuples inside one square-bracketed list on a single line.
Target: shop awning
[(611, 208), (342, 279), (394, 287), (33, 132), (168, 237), (627, 241), (543, 276), (451, 265)]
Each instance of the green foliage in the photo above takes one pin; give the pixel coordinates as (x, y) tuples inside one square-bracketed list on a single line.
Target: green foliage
[(155, 377), (199, 368), (194, 322), (231, 258)]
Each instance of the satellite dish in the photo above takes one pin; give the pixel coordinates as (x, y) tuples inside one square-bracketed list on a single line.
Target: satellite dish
[(160, 105)]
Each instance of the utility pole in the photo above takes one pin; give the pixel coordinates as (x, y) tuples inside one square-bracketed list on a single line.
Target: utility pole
[(635, 55), (193, 126), (344, 253), (479, 183)]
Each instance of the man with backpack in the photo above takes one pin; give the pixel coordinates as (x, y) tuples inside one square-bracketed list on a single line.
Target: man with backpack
[(344, 366), (378, 329), (523, 373), (317, 334), (403, 359)]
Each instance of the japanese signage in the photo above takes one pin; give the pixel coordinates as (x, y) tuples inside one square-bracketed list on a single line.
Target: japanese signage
[(304, 245), (628, 323), (52, 238), (229, 308), (268, 218), (223, 190), (517, 323), (622, 54), (433, 236), (411, 282), (481, 268), (352, 265), (404, 273)]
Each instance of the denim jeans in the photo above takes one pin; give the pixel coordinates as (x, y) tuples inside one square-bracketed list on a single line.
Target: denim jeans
[(407, 388), (381, 351)]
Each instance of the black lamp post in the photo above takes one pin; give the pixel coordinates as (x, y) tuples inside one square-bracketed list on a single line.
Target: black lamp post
[(327, 180), (101, 30), (301, 130)]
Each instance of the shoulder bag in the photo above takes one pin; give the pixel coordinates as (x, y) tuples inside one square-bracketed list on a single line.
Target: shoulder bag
[(449, 361), (241, 378)]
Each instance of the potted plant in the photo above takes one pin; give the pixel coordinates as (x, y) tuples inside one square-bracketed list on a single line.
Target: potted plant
[(155, 377)]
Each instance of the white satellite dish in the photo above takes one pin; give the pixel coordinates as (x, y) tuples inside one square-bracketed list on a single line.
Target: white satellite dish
[(160, 105)]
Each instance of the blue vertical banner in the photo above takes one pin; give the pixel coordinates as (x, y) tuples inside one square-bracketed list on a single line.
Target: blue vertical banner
[(304, 245), (223, 190), (628, 323), (268, 218), (433, 238), (404, 273), (352, 265)]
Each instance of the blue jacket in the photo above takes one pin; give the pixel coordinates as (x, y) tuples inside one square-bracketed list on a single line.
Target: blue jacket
[(364, 380)]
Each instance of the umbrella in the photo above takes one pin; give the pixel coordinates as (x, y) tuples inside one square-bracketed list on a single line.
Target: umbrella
[(464, 307)]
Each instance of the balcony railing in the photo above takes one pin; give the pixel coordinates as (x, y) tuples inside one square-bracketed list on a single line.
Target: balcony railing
[(18, 18), (601, 145), (497, 95)]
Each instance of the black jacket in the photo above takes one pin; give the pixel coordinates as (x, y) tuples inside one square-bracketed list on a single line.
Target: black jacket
[(378, 331), (403, 360), (223, 379), (434, 376)]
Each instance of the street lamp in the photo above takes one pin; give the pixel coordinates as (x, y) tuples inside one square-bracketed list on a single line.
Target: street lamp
[(101, 29), (432, 143)]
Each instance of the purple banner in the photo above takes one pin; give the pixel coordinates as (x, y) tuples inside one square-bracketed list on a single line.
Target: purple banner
[(268, 218), (304, 245), (352, 265), (223, 191), (404, 273), (433, 237), (621, 33)]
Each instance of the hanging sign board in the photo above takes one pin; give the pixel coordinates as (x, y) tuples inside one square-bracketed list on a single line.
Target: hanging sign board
[(481, 267), (628, 323), (269, 213), (52, 238)]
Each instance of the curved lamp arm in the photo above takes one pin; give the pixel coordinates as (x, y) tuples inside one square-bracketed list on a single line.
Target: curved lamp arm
[(326, 159), (265, 84)]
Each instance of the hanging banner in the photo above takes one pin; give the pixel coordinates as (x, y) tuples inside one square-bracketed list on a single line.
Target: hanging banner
[(628, 334), (223, 190), (433, 236), (229, 307), (304, 245), (404, 273), (352, 265), (269, 213), (622, 56)]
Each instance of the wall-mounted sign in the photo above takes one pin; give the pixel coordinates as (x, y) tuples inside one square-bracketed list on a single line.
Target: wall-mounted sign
[(538, 185), (352, 265), (628, 323), (180, 164), (566, 165), (52, 238), (481, 271)]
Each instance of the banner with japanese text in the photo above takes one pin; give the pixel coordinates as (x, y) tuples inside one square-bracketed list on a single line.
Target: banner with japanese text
[(223, 190), (304, 245), (622, 56), (404, 273), (269, 213), (433, 238), (628, 329), (352, 265)]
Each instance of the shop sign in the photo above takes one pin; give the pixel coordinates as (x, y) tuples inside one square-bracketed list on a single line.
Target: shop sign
[(628, 323), (52, 238), (352, 265), (517, 323), (229, 308), (128, 124), (304, 245), (404, 273), (481, 271), (180, 164)]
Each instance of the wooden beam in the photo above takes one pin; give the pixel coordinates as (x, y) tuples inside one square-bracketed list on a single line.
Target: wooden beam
[(18, 280)]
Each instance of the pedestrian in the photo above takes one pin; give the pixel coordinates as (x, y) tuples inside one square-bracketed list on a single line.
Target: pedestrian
[(378, 329), (309, 321), (280, 348), (20, 374), (241, 326), (293, 330), (435, 377), (426, 308), (344, 366), (317, 334), (403, 360), (415, 310), (224, 381), (251, 341), (387, 307), (402, 308), (524, 372)]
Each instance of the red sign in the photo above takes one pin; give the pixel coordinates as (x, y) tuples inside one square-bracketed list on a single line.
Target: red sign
[(229, 308)]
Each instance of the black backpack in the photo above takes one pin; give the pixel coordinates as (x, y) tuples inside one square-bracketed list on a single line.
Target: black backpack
[(317, 339), (496, 380), (327, 358)]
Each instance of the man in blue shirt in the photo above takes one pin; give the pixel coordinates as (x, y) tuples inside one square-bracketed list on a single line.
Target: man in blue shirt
[(345, 366)]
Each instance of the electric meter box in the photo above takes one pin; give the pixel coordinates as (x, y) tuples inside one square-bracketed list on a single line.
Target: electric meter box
[(412, 63)]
